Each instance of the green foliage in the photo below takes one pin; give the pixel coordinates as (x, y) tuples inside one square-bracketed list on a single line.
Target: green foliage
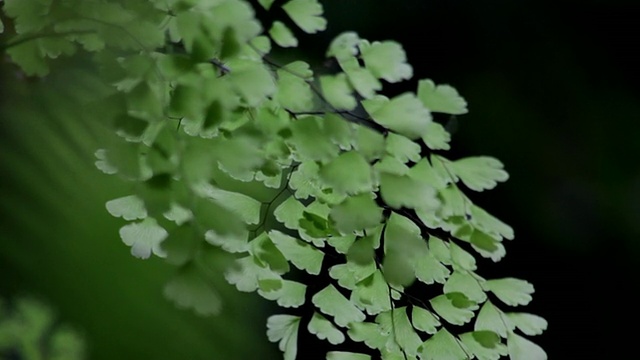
[(217, 139), (30, 331)]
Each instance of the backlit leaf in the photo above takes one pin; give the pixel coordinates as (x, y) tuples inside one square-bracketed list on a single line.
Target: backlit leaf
[(479, 173), (291, 294), (281, 34), (284, 330), (341, 355), (491, 318), (511, 291), (403, 114), (338, 92), (129, 208), (485, 345), (441, 98), (442, 346), (301, 254), (356, 213), (324, 329), (386, 60), (424, 320), (466, 283), (307, 14), (523, 349), (144, 238), (332, 303), (348, 173), (455, 308), (372, 294), (529, 324)]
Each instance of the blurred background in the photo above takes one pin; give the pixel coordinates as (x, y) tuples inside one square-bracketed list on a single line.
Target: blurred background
[(552, 92)]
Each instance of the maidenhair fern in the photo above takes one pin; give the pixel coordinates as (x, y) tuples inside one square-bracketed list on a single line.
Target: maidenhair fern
[(283, 176), (30, 331)]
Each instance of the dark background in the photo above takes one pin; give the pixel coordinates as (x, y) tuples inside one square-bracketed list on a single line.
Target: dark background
[(552, 92)]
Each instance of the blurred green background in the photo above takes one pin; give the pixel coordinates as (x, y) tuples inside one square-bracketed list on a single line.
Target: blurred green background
[(552, 92)]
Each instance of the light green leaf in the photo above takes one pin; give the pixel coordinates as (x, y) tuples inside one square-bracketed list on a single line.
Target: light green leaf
[(523, 349), (340, 131), (284, 330), (440, 250), (289, 212), (485, 345), (455, 308), (403, 243), (466, 283), (424, 171), (369, 333), (281, 34), (391, 165), (489, 224), (402, 148), (341, 355), (386, 60), (266, 4), (232, 242), (267, 254), (495, 255), (356, 213), (360, 78), (247, 208), (529, 324), (178, 214), (304, 180), (424, 320), (344, 46), (291, 294), (429, 270), (348, 173), (461, 258), (396, 323), (247, 273), (436, 137), (403, 114), (324, 329), (442, 346), (308, 140), (484, 242), (368, 143), (455, 203), (251, 81), (331, 302), (300, 69), (302, 255), (293, 93), (144, 238), (372, 294), (337, 91), (341, 243), (511, 291), (189, 289), (491, 318), (479, 173), (1, 26), (129, 208), (362, 251), (404, 191), (441, 98), (307, 14)]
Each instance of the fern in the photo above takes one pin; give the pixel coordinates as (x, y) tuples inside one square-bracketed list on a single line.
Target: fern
[(284, 168)]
